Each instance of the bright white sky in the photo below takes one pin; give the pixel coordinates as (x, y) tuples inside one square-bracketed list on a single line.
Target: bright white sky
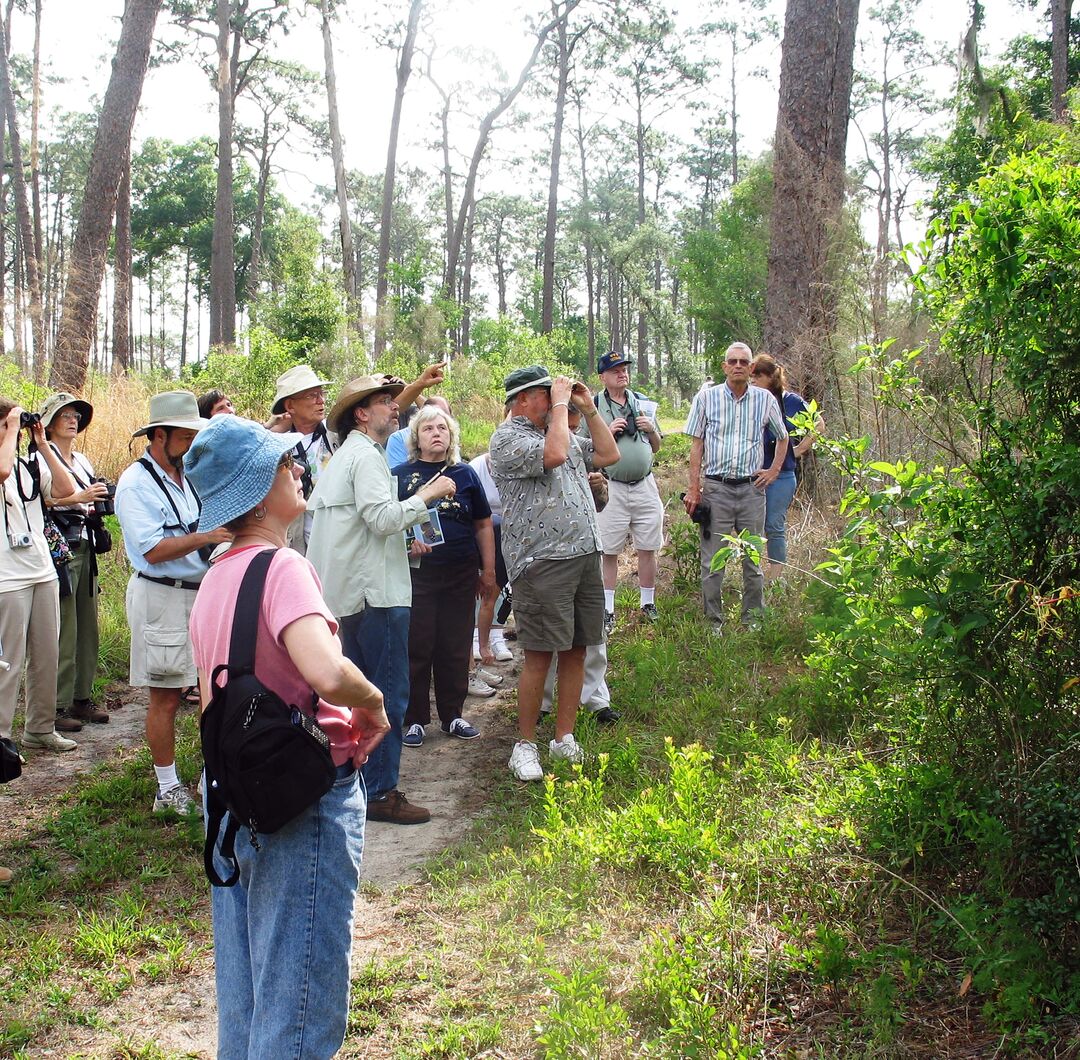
[(79, 39), (475, 37)]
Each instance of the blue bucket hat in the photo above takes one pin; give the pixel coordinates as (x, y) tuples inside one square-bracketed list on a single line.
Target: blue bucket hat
[(232, 464)]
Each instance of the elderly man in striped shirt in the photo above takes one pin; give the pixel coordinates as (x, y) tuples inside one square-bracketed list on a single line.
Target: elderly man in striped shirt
[(726, 425)]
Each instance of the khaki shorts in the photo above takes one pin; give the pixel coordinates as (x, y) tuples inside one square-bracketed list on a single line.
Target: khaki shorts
[(559, 604), (634, 509), (160, 646)]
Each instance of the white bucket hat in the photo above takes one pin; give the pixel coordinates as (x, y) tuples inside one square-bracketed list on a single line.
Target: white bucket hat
[(174, 408), (295, 381)]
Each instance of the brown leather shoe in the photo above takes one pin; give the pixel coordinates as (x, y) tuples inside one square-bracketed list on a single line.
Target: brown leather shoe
[(64, 723), (396, 809), (86, 710)]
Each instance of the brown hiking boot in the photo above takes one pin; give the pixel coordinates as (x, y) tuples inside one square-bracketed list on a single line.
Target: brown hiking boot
[(396, 809), (87, 710), (65, 723)]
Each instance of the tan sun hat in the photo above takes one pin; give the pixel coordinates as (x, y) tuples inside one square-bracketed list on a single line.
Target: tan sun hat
[(174, 408), (55, 402), (295, 381), (354, 391)]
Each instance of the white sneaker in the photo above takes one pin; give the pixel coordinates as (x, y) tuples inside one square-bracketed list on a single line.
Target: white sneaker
[(48, 741), (525, 761), (175, 800), (567, 748), (502, 652), (488, 677), (480, 688), (475, 647)]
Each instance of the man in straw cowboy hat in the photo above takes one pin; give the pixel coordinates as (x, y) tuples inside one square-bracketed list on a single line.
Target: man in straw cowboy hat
[(358, 550), (299, 408), (158, 512)]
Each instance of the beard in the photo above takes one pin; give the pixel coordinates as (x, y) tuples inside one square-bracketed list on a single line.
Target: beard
[(176, 461)]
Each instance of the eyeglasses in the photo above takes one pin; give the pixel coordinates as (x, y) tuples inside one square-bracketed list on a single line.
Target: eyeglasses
[(69, 414), (737, 360), (286, 462), (386, 399)]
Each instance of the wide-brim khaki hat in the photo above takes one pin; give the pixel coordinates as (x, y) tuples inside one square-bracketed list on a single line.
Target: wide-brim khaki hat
[(354, 391), (295, 381), (174, 408), (61, 400)]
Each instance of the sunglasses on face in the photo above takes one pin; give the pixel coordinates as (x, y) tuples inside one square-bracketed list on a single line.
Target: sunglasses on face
[(737, 360)]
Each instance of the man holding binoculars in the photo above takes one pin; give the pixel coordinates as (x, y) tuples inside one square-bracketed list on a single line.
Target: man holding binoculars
[(158, 512)]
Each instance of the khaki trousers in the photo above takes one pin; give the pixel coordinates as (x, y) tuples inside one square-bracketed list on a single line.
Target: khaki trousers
[(30, 634), (78, 631)]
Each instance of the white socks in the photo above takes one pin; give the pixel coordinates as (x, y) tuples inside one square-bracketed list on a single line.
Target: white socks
[(166, 777), (609, 601), (648, 596)]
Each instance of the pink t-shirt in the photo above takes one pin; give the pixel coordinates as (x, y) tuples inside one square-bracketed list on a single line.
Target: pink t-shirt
[(292, 592)]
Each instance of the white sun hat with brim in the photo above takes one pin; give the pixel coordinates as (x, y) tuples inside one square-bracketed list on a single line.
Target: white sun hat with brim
[(174, 408), (295, 381), (62, 400)]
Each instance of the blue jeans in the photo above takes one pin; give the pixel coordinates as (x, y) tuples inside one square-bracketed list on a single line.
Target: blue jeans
[(377, 640), (283, 933), (778, 498)]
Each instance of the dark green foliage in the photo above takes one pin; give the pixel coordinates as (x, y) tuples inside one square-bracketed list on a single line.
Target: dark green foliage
[(953, 627), (725, 265)]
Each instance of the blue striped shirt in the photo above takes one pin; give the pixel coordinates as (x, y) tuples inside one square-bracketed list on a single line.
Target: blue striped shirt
[(733, 429)]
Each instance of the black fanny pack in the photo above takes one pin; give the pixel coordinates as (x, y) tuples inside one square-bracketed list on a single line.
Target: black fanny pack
[(266, 762)]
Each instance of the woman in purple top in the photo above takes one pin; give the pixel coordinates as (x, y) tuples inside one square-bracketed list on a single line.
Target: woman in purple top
[(767, 374), (446, 577)]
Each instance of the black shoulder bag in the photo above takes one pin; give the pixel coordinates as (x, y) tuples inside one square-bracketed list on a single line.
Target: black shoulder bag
[(265, 762)]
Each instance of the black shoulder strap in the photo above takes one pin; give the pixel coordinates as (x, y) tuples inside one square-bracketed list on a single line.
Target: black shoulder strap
[(245, 626), (168, 496)]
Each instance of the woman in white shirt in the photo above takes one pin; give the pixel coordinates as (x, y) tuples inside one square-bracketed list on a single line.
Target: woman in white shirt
[(64, 418)]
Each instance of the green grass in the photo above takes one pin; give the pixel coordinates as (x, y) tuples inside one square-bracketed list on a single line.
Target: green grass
[(106, 897), (711, 883)]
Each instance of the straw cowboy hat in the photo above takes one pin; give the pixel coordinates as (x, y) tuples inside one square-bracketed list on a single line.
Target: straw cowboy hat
[(353, 392)]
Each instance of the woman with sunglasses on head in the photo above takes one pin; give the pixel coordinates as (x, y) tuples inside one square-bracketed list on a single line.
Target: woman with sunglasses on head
[(767, 374), (283, 933), (64, 418)]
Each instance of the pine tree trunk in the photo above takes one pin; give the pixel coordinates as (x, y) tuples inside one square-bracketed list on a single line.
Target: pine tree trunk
[(257, 224), (337, 151), (222, 251), (1060, 16), (404, 69), (111, 145), (639, 144), (121, 348), (466, 284), (808, 179), (547, 314), (23, 219)]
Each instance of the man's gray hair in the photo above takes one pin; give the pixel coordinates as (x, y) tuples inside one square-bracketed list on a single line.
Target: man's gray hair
[(740, 346), (429, 412)]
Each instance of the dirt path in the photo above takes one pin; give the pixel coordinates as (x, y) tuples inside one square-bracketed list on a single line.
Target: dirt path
[(453, 778)]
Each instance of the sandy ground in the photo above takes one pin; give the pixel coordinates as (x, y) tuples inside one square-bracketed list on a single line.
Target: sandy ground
[(453, 778)]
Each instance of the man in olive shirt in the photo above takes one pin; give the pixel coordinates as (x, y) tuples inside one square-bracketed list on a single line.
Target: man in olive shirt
[(634, 505), (357, 547)]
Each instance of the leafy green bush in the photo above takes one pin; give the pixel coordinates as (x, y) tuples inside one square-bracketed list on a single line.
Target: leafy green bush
[(954, 615)]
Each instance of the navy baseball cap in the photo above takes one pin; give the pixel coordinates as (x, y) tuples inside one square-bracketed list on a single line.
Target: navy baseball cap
[(611, 360)]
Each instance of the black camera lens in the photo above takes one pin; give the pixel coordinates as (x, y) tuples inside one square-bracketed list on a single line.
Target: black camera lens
[(29, 419), (105, 506)]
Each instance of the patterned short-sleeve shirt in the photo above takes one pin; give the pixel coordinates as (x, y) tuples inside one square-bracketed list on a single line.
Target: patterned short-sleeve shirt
[(547, 514)]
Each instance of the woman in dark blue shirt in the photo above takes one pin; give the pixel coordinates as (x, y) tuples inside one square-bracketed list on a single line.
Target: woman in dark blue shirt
[(447, 576), (766, 373)]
